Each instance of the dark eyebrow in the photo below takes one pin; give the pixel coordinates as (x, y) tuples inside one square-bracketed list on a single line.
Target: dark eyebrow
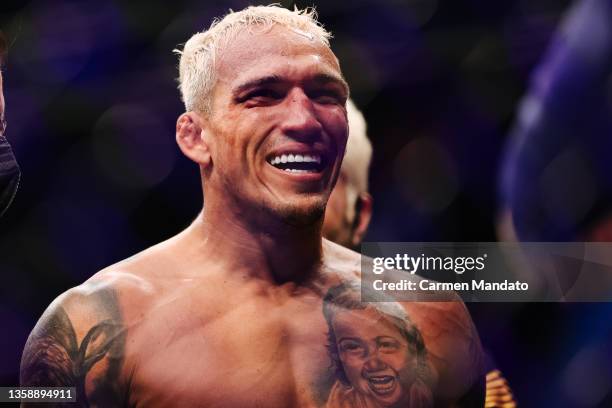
[(254, 83)]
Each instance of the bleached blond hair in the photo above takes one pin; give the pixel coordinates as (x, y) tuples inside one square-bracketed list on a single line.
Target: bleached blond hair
[(197, 71), (356, 163)]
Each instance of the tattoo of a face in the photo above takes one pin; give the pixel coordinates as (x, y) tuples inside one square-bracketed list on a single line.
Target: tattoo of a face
[(378, 354), (54, 357)]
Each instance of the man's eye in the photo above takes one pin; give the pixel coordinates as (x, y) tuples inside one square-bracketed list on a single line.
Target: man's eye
[(263, 94), (326, 96)]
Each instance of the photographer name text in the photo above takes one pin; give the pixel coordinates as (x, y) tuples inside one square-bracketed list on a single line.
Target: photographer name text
[(427, 285)]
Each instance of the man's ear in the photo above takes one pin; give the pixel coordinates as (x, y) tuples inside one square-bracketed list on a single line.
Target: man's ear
[(363, 215), (191, 132)]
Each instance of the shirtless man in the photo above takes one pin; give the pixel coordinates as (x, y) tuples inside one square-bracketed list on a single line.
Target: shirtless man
[(229, 313), (9, 170)]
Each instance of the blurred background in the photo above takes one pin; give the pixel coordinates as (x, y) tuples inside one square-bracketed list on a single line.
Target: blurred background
[(91, 109)]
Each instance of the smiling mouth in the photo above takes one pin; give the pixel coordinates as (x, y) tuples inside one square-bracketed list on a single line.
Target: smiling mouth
[(298, 163), (382, 384)]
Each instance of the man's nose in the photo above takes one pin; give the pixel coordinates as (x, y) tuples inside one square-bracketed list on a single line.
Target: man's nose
[(301, 121)]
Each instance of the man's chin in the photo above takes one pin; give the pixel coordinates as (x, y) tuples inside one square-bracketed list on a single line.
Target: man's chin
[(302, 215)]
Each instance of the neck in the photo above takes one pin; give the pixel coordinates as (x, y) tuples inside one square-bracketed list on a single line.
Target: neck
[(269, 249)]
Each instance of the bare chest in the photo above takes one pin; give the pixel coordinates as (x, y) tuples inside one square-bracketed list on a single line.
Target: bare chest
[(249, 355)]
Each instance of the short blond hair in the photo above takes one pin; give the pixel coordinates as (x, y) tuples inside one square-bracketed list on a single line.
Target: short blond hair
[(197, 74)]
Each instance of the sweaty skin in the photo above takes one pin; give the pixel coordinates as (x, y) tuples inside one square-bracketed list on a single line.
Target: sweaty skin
[(228, 313)]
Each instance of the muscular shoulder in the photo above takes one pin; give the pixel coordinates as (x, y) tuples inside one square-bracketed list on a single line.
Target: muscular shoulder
[(453, 346), (450, 339), (80, 339), (341, 261)]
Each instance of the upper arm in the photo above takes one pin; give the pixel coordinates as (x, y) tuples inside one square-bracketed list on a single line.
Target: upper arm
[(79, 342), (454, 349)]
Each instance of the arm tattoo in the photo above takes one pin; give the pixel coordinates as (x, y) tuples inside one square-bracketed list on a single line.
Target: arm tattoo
[(54, 357), (475, 397)]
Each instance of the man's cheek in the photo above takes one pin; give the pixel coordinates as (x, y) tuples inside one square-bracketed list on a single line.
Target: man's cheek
[(336, 123)]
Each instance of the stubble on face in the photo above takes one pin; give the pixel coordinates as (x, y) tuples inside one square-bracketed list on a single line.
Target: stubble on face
[(242, 134)]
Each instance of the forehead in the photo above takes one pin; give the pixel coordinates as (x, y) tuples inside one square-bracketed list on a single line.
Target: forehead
[(271, 51)]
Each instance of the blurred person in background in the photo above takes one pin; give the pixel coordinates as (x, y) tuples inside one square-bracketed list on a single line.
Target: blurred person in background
[(556, 177), (349, 209), (9, 170), (556, 185), (229, 311), (348, 214)]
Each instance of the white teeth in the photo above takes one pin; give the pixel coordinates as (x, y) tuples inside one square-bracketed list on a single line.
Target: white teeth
[(299, 171), (298, 158)]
